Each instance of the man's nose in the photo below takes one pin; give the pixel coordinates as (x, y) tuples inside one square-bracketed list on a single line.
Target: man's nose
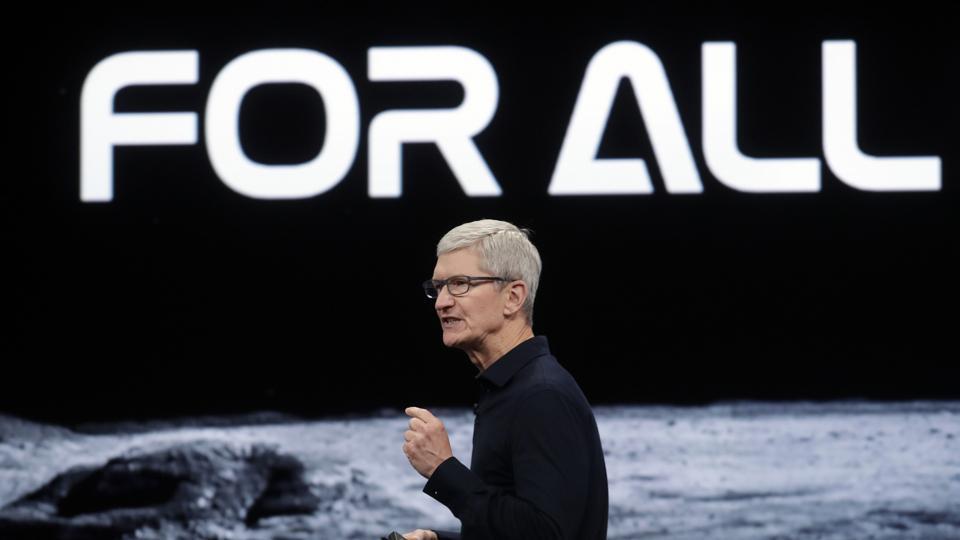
[(444, 299)]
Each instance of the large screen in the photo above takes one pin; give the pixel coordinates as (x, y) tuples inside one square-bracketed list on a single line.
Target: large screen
[(217, 227), (233, 212)]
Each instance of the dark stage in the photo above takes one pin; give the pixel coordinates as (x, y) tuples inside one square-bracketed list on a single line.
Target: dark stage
[(236, 215)]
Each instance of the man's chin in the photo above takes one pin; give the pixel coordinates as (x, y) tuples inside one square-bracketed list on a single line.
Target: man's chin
[(453, 340)]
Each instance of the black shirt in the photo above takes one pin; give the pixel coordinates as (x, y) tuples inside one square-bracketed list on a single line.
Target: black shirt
[(537, 469)]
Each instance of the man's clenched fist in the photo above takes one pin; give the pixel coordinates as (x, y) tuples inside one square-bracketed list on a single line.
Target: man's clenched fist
[(427, 444), (420, 534)]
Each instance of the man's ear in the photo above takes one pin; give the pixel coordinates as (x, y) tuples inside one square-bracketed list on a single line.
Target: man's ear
[(516, 296)]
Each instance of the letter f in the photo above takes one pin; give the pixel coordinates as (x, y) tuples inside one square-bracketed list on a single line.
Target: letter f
[(101, 128)]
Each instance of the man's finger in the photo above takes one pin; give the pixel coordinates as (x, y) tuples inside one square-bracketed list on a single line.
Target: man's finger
[(422, 414), (408, 435), (417, 424)]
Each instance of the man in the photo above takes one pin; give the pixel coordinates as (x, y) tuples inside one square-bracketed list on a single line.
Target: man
[(537, 469)]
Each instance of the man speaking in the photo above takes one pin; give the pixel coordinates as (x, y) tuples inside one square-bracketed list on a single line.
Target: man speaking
[(537, 469)]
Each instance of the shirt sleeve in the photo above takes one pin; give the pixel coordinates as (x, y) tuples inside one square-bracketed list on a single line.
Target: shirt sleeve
[(551, 460)]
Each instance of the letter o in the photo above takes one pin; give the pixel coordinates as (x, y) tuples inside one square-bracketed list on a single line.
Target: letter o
[(295, 181)]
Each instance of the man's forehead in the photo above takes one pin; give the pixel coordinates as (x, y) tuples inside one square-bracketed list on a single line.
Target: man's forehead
[(465, 261)]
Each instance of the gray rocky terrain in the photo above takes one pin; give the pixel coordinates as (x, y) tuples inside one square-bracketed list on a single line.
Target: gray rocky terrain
[(728, 471)]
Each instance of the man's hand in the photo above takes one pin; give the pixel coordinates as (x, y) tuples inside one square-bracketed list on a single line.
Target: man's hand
[(420, 534), (427, 444)]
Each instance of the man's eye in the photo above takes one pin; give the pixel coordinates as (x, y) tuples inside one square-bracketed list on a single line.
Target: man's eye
[(458, 282)]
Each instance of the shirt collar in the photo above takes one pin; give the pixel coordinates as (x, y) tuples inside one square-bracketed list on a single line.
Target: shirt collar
[(500, 373)]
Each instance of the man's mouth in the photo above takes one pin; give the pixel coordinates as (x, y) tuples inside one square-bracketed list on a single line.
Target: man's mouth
[(450, 322)]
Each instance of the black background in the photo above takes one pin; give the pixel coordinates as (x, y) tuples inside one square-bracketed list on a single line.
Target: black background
[(182, 297)]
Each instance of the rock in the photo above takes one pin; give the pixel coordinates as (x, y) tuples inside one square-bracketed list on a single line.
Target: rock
[(176, 488), (287, 493)]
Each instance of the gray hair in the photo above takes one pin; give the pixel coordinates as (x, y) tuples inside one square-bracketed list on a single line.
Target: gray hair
[(505, 250)]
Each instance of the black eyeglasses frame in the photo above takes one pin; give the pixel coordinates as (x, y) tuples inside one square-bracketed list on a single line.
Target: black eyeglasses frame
[(436, 285)]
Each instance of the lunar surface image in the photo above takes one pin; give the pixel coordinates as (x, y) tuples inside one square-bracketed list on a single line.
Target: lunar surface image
[(734, 471)]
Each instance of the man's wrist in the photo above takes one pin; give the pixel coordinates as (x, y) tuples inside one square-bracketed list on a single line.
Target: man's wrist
[(437, 466), (429, 476)]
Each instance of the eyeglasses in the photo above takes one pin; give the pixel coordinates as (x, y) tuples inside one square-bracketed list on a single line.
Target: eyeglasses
[(456, 285)]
